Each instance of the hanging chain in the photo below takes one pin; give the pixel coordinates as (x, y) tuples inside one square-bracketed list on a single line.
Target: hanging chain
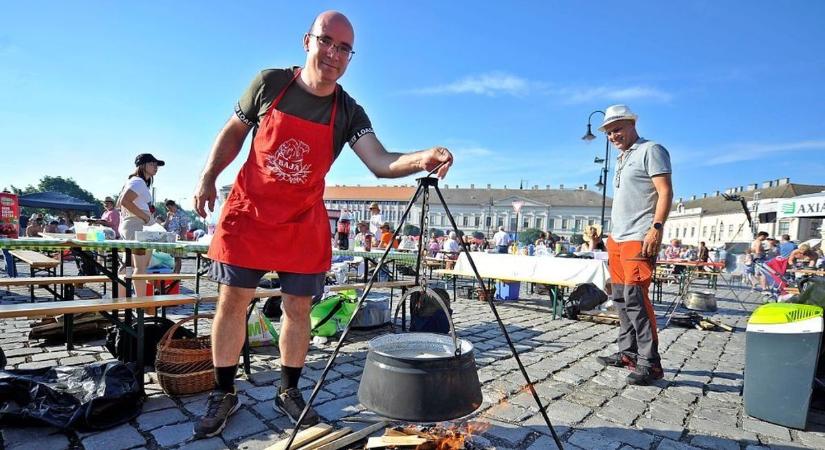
[(424, 235)]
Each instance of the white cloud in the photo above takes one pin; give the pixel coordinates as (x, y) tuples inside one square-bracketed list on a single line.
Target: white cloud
[(496, 83), (612, 93), (485, 84), (750, 152)]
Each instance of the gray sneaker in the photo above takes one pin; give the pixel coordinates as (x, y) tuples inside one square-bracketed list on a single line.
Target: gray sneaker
[(292, 403), (219, 407)]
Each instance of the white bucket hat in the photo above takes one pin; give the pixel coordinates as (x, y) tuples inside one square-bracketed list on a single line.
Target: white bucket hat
[(615, 113)]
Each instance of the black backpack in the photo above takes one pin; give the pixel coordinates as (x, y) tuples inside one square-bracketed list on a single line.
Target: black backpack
[(427, 315), (123, 346), (583, 298)]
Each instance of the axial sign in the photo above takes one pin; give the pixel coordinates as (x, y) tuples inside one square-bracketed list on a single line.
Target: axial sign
[(813, 206)]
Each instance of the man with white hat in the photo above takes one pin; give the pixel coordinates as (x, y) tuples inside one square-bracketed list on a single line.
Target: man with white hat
[(641, 204), (376, 220)]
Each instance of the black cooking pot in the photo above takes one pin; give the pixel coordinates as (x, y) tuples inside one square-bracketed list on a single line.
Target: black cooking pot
[(420, 377)]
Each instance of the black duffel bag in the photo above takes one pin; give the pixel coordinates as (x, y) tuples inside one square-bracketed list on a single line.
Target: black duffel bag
[(585, 297), (123, 346)]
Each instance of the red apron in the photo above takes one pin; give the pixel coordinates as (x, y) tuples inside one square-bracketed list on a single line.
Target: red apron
[(274, 217)]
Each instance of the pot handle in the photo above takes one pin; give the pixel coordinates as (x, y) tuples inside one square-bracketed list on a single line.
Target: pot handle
[(424, 290)]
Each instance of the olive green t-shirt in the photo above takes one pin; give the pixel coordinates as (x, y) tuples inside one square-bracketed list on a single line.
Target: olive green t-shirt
[(351, 121)]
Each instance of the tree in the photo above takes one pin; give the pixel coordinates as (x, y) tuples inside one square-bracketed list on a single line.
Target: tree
[(411, 230), (529, 235), (576, 239), (66, 186)]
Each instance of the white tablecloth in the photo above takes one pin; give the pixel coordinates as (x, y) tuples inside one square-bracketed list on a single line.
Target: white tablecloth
[(549, 270)]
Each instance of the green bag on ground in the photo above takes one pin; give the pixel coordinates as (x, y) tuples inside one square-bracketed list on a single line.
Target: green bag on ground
[(331, 315)]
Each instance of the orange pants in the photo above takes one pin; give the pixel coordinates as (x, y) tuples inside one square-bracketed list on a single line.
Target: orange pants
[(631, 278)]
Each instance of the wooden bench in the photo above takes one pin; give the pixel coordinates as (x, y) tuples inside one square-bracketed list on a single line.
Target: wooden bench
[(556, 294), (36, 261), (70, 283), (105, 307), (173, 279)]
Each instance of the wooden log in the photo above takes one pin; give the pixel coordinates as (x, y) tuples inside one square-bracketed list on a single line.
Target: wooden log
[(314, 445), (353, 437), (603, 318), (304, 437), (394, 441)]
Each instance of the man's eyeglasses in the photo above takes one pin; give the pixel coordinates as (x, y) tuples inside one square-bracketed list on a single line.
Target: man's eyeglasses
[(325, 42)]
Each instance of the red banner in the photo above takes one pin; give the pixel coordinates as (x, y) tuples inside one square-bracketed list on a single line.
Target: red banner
[(9, 215)]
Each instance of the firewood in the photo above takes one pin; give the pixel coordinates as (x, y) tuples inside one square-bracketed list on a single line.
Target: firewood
[(398, 441), (720, 324), (353, 437), (304, 437), (314, 445)]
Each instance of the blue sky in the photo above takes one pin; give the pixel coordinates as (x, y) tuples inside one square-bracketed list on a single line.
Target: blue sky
[(733, 89)]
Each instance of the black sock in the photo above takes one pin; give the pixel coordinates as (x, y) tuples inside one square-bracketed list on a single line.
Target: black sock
[(290, 377), (225, 377)]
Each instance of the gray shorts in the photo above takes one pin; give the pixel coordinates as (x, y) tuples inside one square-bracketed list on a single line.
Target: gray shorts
[(301, 284)]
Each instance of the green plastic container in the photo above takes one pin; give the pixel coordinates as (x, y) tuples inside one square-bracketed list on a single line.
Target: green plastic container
[(781, 354)]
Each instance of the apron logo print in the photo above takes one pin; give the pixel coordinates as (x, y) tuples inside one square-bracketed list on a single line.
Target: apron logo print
[(288, 162)]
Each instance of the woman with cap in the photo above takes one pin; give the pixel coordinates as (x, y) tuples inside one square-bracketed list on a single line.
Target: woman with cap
[(134, 202), (376, 220)]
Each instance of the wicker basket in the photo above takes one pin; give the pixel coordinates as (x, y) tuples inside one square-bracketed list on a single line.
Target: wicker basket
[(184, 366), (480, 293)]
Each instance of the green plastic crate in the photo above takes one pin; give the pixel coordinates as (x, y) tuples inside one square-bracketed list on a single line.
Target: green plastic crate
[(778, 313)]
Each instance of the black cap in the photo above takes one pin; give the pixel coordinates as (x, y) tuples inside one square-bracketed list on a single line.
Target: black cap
[(144, 158)]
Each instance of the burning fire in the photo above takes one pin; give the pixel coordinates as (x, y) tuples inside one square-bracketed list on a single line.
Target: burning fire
[(442, 437)]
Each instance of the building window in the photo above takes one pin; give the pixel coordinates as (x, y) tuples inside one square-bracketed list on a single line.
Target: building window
[(713, 232), (730, 229), (538, 223), (551, 224), (579, 226), (500, 221), (784, 227), (513, 224), (692, 231), (565, 223), (591, 221), (488, 222), (677, 233), (465, 221), (525, 223), (704, 231)]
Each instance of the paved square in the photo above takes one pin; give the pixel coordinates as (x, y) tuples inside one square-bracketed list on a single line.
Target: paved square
[(697, 406)]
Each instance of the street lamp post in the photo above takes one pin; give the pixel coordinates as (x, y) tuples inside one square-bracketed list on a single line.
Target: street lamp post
[(589, 136), (517, 204)]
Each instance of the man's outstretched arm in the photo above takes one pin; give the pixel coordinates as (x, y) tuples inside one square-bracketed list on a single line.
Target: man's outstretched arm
[(385, 164)]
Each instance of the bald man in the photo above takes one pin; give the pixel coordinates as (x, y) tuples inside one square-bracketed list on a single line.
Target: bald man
[(274, 218)]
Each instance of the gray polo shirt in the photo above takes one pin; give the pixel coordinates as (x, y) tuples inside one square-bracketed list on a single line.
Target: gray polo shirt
[(634, 201)]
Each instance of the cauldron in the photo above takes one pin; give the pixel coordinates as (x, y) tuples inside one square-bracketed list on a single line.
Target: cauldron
[(420, 377)]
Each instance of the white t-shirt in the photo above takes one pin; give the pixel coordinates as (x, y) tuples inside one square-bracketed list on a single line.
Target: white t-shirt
[(143, 199), (501, 238), (451, 245), (375, 224)]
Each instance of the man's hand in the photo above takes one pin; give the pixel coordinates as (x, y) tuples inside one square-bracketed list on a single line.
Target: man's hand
[(205, 195), (652, 242), (431, 158)]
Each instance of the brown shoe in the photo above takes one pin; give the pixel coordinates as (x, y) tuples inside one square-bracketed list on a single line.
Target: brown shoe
[(644, 375)]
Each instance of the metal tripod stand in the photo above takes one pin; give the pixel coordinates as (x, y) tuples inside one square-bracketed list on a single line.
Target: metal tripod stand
[(423, 190)]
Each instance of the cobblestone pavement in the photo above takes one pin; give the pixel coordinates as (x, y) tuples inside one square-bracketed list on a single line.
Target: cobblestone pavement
[(698, 405)]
